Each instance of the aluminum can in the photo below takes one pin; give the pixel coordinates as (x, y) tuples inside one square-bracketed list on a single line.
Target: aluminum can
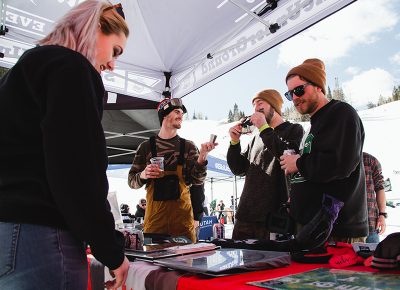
[(133, 238), (218, 231), (289, 152)]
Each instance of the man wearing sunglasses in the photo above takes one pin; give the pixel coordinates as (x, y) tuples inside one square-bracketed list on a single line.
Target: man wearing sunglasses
[(169, 209), (141, 208), (264, 188), (330, 162)]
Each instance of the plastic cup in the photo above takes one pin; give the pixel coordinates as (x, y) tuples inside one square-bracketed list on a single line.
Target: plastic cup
[(159, 161)]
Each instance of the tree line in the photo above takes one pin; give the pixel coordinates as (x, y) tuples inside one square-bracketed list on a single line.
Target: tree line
[(291, 112), (337, 93)]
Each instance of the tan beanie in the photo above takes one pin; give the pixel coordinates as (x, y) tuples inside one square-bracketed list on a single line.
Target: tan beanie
[(313, 70), (272, 97)]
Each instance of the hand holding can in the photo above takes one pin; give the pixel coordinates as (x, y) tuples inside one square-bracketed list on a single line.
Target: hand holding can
[(289, 152), (288, 164)]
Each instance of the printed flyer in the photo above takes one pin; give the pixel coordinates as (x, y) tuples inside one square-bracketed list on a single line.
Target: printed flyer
[(332, 279)]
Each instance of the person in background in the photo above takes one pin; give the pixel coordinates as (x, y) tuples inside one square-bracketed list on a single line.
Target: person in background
[(264, 180), (141, 208), (53, 92), (220, 208), (376, 197), (330, 163), (127, 217), (169, 209)]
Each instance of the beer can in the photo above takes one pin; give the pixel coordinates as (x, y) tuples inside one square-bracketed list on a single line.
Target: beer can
[(133, 239), (289, 152), (218, 231)]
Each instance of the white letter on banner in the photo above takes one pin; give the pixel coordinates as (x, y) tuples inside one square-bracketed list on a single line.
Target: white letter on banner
[(11, 17), (38, 26)]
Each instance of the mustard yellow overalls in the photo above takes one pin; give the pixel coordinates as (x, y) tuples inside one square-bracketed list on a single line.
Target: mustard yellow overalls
[(172, 217)]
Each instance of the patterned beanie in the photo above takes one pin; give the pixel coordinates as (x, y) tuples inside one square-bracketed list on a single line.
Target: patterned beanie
[(313, 70), (272, 97), (167, 105)]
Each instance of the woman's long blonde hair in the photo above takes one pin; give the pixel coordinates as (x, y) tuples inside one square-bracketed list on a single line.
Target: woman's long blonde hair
[(77, 29)]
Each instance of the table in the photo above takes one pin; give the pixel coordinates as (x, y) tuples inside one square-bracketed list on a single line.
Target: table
[(237, 282), (187, 281)]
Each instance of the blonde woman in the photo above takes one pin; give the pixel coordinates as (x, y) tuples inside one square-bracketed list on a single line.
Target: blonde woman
[(53, 184)]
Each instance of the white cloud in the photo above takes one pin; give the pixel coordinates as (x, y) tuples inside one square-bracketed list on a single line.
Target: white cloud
[(368, 86), (333, 38), (352, 70), (396, 58)]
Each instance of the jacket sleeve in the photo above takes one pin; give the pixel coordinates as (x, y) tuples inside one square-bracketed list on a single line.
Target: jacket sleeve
[(336, 148), (77, 174), (237, 162), (377, 175), (196, 172), (277, 142), (139, 163), (197, 198)]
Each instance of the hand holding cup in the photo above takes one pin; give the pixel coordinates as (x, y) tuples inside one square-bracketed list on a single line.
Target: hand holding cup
[(155, 169)]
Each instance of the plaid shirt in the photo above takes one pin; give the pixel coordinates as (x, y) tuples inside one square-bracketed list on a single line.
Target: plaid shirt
[(374, 183)]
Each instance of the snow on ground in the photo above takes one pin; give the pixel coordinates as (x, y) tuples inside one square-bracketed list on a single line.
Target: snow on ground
[(381, 140)]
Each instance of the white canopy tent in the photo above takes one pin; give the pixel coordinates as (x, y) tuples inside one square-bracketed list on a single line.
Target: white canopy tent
[(193, 41), (175, 47)]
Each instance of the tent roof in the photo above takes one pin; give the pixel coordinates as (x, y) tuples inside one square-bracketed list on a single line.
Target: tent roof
[(183, 44), (196, 41)]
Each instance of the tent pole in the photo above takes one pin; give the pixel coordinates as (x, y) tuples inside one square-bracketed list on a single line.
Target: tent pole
[(212, 195), (2, 18), (250, 13), (235, 200)]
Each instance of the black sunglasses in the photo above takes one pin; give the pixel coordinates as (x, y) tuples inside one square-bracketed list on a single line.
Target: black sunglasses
[(298, 91), (118, 9)]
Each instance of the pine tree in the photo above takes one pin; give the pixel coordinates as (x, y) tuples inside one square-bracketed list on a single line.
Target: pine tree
[(338, 93), (329, 94), (194, 115), (396, 93), (236, 116), (230, 116)]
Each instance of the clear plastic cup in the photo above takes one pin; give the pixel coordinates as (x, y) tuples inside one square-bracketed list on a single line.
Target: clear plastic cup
[(159, 161)]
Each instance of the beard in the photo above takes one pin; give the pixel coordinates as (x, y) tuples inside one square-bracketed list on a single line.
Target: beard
[(269, 115), (307, 105), (177, 124)]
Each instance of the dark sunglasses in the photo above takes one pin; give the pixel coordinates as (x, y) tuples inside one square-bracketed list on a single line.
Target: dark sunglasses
[(298, 91), (118, 9)]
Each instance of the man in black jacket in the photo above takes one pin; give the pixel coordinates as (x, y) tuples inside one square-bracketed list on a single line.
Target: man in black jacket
[(330, 162), (264, 188)]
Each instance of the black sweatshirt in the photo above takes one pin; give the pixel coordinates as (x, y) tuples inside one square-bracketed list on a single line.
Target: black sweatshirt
[(53, 157), (264, 187), (331, 163)]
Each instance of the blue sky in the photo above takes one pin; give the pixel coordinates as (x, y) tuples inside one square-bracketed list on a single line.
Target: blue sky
[(360, 45)]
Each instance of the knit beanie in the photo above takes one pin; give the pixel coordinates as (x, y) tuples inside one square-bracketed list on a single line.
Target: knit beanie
[(313, 70), (167, 105), (272, 97)]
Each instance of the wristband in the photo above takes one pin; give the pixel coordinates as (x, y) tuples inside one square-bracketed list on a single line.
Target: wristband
[(384, 214)]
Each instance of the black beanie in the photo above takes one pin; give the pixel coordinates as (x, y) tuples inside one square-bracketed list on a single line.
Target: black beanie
[(167, 105)]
